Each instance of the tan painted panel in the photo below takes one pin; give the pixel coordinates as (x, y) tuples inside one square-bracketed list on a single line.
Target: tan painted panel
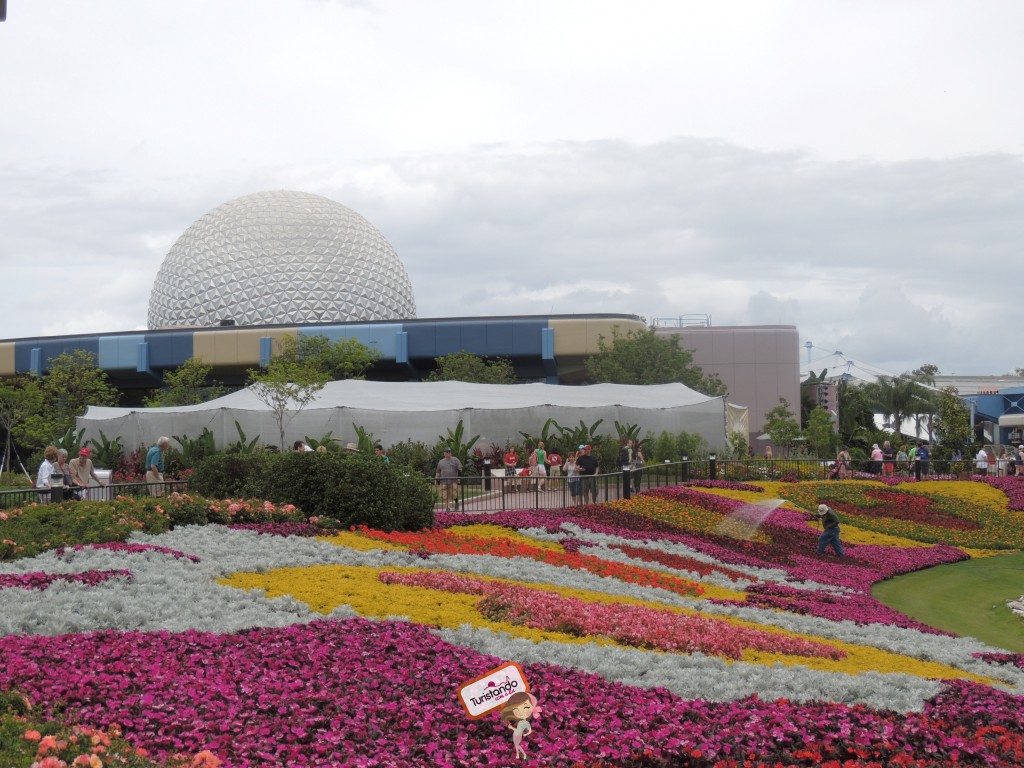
[(203, 346), (234, 347), (580, 337), (7, 358)]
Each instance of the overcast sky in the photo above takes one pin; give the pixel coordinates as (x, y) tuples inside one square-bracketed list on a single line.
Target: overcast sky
[(853, 168)]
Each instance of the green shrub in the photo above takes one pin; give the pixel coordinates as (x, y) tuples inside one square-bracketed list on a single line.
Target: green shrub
[(342, 489), (228, 476), (38, 528)]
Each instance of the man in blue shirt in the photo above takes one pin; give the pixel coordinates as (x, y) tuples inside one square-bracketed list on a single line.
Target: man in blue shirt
[(923, 456), (155, 466)]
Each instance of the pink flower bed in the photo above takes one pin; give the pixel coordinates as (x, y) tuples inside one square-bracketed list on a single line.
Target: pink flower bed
[(40, 580), (379, 693), (856, 606), (633, 625)]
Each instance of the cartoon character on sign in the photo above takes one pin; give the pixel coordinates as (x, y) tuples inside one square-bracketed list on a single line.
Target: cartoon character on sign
[(517, 712)]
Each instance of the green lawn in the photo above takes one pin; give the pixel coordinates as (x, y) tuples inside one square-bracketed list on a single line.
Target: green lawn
[(967, 598)]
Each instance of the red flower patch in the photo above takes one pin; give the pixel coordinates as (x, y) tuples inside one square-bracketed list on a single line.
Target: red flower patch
[(904, 506)]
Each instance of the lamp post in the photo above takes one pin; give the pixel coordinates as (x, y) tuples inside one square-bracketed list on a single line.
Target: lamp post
[(712, 467)]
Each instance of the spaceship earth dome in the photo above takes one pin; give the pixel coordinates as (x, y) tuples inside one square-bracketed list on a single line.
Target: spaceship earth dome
[(280, 257)]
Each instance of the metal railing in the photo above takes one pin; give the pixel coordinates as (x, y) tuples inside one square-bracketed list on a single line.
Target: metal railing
[(489, 493), (25, 496)]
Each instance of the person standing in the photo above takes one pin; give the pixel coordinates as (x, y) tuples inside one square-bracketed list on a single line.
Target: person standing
[(638, 465), (155, 466), (572, 474), (902, 462), (554, 467), (83, 473), (887, 460), (830, 531), (447, 477), (511, 461), (876, 460), (63, 471), (45, 476), (844, 460), (923, 455), (586, 462), (539, 465), (981, 462), (378, 451)]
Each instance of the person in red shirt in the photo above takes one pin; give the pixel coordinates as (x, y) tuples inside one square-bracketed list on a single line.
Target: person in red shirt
[(511, 460), (554, 467)]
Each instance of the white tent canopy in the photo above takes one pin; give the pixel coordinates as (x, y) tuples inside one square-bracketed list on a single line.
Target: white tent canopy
[(421, 411)]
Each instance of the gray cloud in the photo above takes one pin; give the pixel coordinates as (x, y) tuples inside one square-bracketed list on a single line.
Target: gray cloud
[(892, 263)]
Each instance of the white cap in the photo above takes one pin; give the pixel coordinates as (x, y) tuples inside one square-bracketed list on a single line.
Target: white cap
[(822, 509)]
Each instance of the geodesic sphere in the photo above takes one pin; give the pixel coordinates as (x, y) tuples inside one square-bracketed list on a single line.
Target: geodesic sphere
[(280, 258)]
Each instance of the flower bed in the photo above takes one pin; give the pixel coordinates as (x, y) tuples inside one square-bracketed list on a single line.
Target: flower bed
[(283, 652)]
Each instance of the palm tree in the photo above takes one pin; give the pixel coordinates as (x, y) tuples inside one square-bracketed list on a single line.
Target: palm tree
[(898, 398)]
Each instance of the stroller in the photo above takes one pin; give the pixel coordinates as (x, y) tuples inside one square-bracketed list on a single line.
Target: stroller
[(833, 473)]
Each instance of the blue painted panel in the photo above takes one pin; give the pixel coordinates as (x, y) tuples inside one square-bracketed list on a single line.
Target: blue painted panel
[(422, 340), (360, 333), (49, 348), (989, 406), (142, 359), (169, 350), (499, 338), (120, 353), (526, 337), (384, 338), (547, 343), (379, 337), (266, 350), (402, 348), (474, 337), (449, 338)]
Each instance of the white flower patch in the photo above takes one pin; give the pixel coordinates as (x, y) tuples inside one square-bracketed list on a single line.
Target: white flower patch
[(696, 676)]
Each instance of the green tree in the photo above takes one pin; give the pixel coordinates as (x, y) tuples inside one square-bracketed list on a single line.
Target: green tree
[(343, 359), (952, 423), (21, 398), (856, 417), (643, 357), (188, 384), (781, 426), (821, 437), (286, 388), (465, 366), (73, 383), (899, 398), (925, 374)]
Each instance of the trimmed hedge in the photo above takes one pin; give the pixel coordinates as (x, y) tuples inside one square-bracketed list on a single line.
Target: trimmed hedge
[(342, 489)]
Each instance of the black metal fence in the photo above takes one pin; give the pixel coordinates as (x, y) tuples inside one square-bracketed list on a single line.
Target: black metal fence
[(493, 492), (25, 496)]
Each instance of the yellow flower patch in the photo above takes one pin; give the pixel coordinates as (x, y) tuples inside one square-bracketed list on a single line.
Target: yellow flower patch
[(486, 531), (358, 542), (324, 588), (974, 493), (854, 535)]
